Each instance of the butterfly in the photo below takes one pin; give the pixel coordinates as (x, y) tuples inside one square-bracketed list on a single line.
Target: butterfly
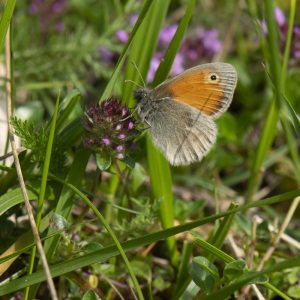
[(181, 111)]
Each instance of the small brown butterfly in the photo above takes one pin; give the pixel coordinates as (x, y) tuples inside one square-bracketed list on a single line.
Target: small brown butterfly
[(181, 111)]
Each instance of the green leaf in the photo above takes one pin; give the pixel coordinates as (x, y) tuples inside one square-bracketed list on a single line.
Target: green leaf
[(12, 198), (141, 269), (103, 160), (204, 274), (234, 270), (138, 176), (129, 161), (259, 279), (294, 291), (90, 295)]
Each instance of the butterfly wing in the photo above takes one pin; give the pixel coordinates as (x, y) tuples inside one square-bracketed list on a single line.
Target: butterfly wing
[(181, 132), (208, 88)]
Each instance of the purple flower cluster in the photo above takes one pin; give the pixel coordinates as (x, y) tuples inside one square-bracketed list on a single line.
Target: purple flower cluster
[(49, 13), (200, 45), (283, 30), (110, 128)]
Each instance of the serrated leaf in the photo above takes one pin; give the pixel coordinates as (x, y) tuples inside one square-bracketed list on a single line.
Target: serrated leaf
[(103, 161), (204, 274)]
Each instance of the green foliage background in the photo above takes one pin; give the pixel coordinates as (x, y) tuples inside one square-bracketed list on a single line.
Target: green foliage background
[(129, 225)]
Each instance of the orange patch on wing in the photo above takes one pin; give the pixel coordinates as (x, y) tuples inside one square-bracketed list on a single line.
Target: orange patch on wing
[(197, 90)]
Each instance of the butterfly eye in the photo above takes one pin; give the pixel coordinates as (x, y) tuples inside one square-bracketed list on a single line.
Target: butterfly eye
[(213, 77)]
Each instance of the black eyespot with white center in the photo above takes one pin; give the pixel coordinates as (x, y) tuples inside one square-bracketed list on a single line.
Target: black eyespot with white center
[(213, 77)]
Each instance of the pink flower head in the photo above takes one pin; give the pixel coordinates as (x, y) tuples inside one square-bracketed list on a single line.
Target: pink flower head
[(167, 34), (122, 36)]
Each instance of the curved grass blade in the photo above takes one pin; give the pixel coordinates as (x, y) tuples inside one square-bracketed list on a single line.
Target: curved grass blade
[(160, 174), (109, 87), (5, 20)]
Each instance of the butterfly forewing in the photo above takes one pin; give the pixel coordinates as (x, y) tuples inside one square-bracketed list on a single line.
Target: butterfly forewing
[(208, 88)]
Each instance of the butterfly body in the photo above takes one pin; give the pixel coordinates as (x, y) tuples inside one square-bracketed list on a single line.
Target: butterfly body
[(181, 111)]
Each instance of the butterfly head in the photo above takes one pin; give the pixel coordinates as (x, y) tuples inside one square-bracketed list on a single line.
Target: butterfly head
[(140, 94)]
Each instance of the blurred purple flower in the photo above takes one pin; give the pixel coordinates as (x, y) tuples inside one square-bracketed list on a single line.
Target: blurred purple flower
[(107, 56), (120, 148), (154, 66), (59, 26), (130, 125), (204, 44), (49, 13), (279, 16), (283, 30), (109, 128), (295, 47), (210, 41), (178, 64), (167, 34), (133, 19), (105, 141), (122, 36), (280, 19)]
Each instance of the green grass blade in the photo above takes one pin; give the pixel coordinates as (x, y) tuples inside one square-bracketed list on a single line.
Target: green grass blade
[(166, 64), (110, 231), (216, 241), (5, 20), (269, 129), (65, 203), (239, 283), (143, 47), (160, 174), (109, 88), (287, 48), (294, 119), (13, 198), (141, 53), (41, 198), (183, 276), (219, 237), (230, 289), (47, 163), (66, 108), (66, 200)]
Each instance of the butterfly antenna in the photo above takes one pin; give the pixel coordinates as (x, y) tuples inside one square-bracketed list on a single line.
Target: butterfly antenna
[(131, 81), (138, 71)]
